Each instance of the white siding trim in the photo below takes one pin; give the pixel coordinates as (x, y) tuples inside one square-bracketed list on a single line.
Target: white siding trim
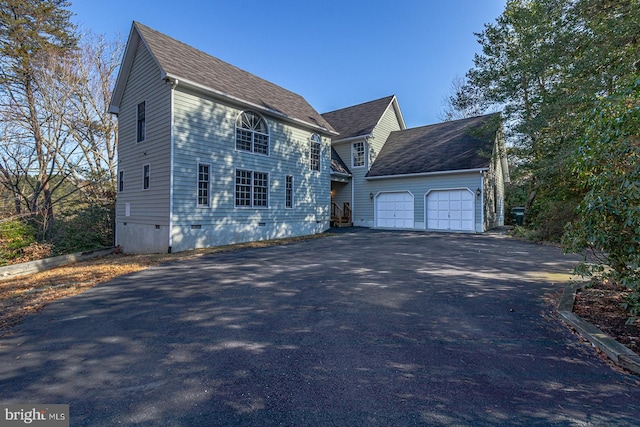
[(371, 178), (171, 154)]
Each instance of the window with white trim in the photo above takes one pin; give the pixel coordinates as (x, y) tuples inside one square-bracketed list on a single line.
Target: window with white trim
[(357, 154), (204, 179), (141, 128), (252, 133), (288, 192), (120, 181), (146, 177), (252, 189), (314, 152)]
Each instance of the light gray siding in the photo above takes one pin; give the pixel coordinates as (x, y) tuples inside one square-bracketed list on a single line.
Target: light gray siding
[(204, 132), (146, 228), (363, 207), (420, 186)]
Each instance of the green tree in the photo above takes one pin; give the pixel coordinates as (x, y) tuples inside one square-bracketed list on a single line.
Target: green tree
[(608, 228), (35, 36), (545, 63)]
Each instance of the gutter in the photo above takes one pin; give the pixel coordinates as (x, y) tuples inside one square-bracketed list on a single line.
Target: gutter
[(352, 138), (411, 175), (238, 101)]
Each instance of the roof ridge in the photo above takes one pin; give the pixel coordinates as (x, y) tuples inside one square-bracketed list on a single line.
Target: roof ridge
[(389, 97)]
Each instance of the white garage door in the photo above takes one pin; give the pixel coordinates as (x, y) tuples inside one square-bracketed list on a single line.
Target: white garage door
[(394, 210), (450, 210)]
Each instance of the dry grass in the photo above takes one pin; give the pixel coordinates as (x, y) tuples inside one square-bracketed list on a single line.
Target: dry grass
[(28, 294)]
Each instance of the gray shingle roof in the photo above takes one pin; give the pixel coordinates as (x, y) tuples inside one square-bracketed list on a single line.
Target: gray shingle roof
[(187, 63), (358, 120), (456, 145)]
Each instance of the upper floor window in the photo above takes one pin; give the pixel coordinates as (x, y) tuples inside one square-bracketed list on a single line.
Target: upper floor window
[(314, 152), (204, 177), (121, 181), (252, 133), (357, 154), (141, 127)]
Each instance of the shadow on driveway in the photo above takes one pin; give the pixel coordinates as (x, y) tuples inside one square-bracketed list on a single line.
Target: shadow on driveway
[(361, 328)]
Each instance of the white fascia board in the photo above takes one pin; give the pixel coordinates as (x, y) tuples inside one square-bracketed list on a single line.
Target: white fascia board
[(238, 101), (351, 139), (412, 175)]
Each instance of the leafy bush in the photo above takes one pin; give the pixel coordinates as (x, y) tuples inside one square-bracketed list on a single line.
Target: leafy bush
[(84, 229), (608, 217), (15, 236)]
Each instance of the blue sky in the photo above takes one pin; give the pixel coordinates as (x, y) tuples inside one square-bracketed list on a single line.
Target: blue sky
[(333, 53)]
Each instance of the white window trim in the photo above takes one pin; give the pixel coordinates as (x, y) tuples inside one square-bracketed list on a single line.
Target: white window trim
[(143, 167), (292, 192), (364, 152), (315, 142), (253, 132), (253, 206), (138, 119), (198, 205)]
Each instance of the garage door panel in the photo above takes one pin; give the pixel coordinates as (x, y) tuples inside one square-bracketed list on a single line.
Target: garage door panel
[(450, 210), (394, 210)]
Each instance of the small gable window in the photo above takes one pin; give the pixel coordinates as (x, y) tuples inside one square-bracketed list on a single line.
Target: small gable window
[(358, 154), (141, 127), (314, 152), (252, 133)]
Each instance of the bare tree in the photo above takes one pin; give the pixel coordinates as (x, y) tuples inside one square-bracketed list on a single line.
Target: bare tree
[(92, 127), (462, 102)]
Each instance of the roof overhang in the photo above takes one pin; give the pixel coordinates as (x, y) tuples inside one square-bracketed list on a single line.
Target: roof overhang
[(177, 81), (414, 175)]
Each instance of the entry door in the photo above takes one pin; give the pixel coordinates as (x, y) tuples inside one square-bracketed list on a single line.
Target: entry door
[(450, 210), (394, 210)]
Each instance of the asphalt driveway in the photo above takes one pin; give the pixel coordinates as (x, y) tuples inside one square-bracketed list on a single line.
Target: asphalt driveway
[(366, 328)]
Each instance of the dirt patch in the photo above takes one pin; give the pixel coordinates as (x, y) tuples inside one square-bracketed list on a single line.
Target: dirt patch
[(28, 294), (600, 305)]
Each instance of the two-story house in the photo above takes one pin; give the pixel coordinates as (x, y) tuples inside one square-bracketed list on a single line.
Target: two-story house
[(209, 154)]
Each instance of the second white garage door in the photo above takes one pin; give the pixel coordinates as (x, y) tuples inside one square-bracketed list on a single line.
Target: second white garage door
[(450, 210), (394, 210)]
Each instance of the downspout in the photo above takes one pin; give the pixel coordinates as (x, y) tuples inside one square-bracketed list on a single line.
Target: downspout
[(173, 83), (481, 201)]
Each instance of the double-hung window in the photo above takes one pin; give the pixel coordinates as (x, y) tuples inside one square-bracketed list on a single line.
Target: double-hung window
[(252, 189), (314, 152), (146, 177), (204, 179), (252, 133), (288, 190), (141, 128), (357, 151)]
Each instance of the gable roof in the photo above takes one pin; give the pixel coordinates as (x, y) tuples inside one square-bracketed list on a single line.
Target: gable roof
[(465, 144), (360, 120), (183, 64)]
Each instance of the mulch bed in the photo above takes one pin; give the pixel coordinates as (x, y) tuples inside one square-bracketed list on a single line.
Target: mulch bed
[(600, 305)]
